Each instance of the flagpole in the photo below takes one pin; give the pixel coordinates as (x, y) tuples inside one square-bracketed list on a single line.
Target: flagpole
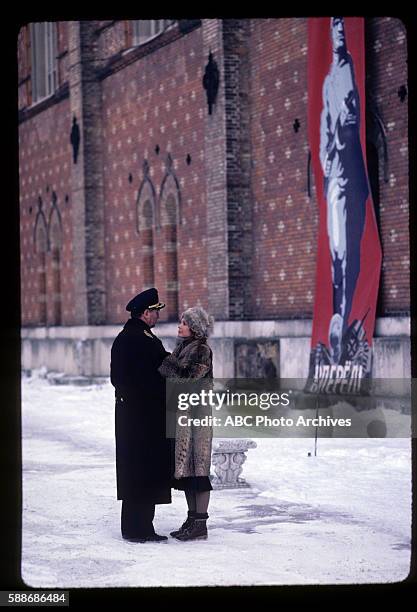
[(317, 426)]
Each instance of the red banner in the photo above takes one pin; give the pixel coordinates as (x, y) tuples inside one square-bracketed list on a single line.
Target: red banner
[(349, 251)]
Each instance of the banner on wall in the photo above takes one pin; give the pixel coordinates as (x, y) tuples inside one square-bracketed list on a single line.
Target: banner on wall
[(348, 250)]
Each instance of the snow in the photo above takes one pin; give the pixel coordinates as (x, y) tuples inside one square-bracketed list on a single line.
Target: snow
[(341, 517)]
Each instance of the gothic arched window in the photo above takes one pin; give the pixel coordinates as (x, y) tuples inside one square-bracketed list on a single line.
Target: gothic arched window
[(55, 242), (41, 248), (170, 219), (145, 211)]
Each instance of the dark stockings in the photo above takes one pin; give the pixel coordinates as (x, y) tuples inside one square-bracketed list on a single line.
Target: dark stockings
[(197, 501)]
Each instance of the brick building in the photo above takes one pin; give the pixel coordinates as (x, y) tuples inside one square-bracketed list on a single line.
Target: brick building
[(174, 153)]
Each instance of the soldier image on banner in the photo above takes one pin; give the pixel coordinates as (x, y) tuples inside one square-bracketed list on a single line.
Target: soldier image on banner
[(347, 274)]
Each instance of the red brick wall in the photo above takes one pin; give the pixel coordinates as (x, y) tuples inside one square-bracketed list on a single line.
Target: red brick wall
[(387, 69), (45, 161), (158, 100), (113, 38), (284, 218)]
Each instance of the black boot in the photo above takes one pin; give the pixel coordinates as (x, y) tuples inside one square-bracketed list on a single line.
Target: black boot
[(187, 523), (152, 537), (197, 530)]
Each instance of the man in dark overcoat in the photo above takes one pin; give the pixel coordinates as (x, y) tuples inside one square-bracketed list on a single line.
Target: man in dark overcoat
[(143, 453)]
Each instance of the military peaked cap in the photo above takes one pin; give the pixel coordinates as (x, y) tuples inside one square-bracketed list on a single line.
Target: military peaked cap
[(146, 300)]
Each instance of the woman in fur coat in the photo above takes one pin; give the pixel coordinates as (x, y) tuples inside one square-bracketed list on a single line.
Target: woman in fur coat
[(192, 358)]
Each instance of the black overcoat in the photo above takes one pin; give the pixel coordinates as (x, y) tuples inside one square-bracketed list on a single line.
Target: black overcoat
[(144, 456)]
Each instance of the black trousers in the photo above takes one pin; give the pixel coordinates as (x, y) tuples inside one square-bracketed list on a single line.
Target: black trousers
[(136, 519)]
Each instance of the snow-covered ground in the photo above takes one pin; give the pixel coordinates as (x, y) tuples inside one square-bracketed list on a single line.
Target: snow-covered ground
[(343, 516)]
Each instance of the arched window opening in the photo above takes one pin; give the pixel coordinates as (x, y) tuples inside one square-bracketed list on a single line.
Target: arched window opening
[(41, 247), (171, 257), (146, 236), (145, 219), (56, 247)]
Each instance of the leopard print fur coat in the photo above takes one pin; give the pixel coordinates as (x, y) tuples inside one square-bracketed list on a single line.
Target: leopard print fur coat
[(191, 359)]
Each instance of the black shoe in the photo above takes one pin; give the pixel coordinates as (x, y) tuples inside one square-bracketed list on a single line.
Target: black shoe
[(196, 531), (186, 524), (153, 537)]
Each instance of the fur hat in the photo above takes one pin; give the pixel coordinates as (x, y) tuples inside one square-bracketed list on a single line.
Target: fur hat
[(199, 322)]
